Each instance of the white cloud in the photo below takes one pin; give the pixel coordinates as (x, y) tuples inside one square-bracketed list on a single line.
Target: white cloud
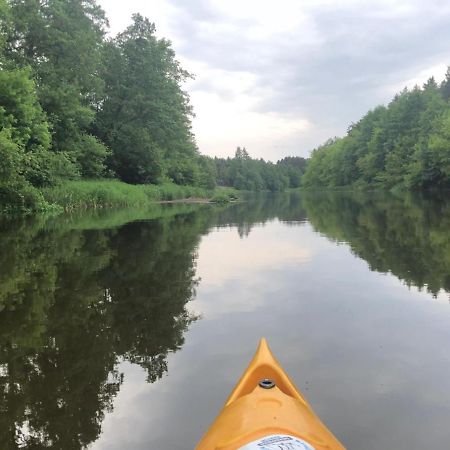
[(264, 18), (226, 105), (437, 71), (159, 11), (282, 76)]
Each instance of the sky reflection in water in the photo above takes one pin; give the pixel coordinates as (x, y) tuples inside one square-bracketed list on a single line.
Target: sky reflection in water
[(100, 345), (370, 353)]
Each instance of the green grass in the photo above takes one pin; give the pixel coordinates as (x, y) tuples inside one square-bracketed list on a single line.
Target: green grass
[(95, 194), (223, 195)]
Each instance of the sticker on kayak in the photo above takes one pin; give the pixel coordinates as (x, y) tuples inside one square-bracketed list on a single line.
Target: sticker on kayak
[(278, 442)]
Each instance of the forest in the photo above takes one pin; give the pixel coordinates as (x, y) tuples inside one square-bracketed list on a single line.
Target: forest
[(80, 106), (77, 104), (244, 172), (404, 145)]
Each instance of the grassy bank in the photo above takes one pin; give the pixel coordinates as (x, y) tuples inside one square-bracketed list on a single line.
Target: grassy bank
[(73, 195)]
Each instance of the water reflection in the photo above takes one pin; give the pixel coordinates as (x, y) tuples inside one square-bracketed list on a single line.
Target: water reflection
[(408, 235), (85, 300), (75, 303)]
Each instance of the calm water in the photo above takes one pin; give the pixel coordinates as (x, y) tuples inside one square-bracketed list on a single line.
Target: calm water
[(129, 329)]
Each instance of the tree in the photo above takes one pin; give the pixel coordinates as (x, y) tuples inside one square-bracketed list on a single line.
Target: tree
[(243, 172), (22, 118), (61, 41), (445, 86), (439, 151), (293, 168), (22, 112), (25, 159), (401, 145), (145, 118), (5, 27)]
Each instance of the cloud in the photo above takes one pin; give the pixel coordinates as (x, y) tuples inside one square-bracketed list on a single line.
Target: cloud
[(306, 68)]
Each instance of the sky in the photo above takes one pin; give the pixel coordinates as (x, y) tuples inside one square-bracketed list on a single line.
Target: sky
[(280, 77)]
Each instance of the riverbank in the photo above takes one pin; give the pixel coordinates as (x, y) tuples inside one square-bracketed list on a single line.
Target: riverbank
[(94, 194)]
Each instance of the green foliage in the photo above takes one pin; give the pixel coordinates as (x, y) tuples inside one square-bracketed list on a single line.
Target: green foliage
[(207, 172), (24, 141), (15, 193), (21, 198), (5, 26), (145, 118), (439, 150), (96, 194), (61, 41), (243, 172), (222, 196), (44, 168), (102, 193), (445, 86), (11, 157), (91, 156), (73, 104), (402, 145), (293, 168), (21, 113), (20, 110)]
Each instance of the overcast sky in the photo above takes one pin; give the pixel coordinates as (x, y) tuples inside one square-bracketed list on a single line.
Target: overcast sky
[(281, 76)]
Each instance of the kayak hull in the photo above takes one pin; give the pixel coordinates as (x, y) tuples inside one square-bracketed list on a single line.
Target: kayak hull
[(253, 412)]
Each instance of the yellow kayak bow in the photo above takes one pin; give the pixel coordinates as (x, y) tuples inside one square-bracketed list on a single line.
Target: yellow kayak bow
[(265, 411)]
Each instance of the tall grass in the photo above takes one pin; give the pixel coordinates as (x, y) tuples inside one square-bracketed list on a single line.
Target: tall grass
[(88, 194)]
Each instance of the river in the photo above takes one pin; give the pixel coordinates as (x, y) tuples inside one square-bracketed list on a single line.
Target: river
[(128, 329)]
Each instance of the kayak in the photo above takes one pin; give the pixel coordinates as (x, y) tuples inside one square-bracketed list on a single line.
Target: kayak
[(266, 411)]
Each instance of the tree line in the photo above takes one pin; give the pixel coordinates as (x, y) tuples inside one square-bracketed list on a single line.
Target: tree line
[(405, 144), (75, 103), (244, 172)]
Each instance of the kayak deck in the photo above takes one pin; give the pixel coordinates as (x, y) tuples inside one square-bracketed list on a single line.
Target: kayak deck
[(264, 403)]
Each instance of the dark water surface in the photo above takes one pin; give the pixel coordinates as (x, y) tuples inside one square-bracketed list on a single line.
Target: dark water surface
[(128, 329)]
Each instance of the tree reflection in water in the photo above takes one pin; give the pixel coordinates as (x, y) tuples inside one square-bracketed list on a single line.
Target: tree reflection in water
[(74, 304), (77, 297), (406, 235)]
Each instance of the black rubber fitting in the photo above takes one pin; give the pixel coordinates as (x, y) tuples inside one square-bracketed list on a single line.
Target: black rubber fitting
[(266, 384)]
